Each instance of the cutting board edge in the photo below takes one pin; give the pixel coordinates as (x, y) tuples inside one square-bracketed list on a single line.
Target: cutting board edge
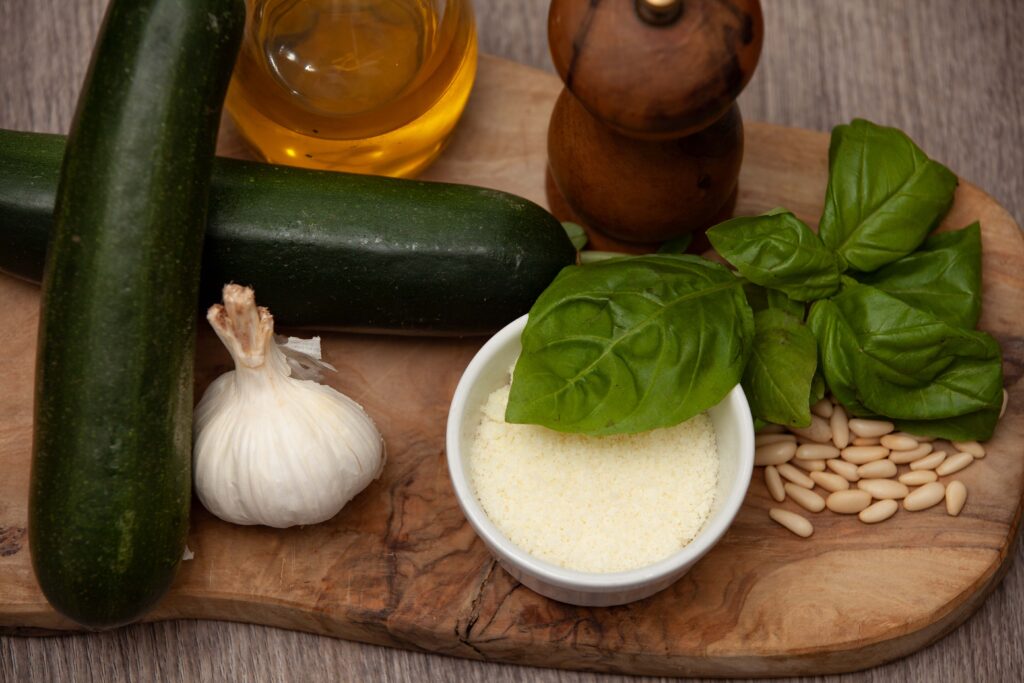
[(845, 658)]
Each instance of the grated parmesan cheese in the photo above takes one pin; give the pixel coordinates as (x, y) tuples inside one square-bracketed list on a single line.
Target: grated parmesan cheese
[(594, 504)]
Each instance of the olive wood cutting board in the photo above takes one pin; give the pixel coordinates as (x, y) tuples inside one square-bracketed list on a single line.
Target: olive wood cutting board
[(400, 566)]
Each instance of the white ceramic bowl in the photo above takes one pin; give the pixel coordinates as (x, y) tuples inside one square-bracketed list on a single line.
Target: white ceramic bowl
[(489, 371)]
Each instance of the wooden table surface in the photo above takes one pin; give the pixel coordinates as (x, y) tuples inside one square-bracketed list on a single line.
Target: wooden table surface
[(948, 72)]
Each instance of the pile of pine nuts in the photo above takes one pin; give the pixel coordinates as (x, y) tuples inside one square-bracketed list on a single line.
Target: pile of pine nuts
[(857, 463)]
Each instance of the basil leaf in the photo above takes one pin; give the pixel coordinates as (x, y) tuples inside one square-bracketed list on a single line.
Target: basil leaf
[(780, 302), (631, 344), (577, 235), (757, 296), (976, 426), (778, 379), (777, 250), (884, 195), (943, 277), (677, 245), (881, 356), (761, 299), (817, 385)]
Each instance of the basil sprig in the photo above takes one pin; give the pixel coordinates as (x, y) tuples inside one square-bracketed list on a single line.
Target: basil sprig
[(636, 343)]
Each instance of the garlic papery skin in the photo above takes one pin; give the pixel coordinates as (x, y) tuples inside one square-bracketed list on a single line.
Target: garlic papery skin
[(269, 448)]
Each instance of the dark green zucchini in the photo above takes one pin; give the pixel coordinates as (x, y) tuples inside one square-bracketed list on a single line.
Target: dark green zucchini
[(111, 476), (332, 250)]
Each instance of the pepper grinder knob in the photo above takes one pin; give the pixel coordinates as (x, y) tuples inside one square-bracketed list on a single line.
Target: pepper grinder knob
[(646, 140)]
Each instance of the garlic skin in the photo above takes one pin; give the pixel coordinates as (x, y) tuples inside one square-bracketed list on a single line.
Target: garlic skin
[(269, 448)]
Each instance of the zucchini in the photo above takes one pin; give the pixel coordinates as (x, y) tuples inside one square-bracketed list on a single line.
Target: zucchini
[(331, 250), (111, 481)]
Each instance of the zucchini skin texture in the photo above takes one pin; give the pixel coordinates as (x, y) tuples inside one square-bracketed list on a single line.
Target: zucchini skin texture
[(111, 473), (332, 250)]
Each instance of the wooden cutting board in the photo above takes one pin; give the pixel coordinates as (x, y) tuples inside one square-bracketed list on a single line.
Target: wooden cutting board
[(401, 567)]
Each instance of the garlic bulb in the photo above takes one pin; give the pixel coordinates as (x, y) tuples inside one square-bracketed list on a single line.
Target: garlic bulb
[(270, 448)]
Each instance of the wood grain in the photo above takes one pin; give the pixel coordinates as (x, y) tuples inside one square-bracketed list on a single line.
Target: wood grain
[(945, 71), (401, 567)]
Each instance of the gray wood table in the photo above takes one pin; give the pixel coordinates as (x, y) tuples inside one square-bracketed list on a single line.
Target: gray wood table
[(946, 71)]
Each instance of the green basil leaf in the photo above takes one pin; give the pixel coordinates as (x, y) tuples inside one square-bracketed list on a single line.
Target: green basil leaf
[(757, 296), (884, 195), (778, 379), (943, 277), (881, 356), (577, 235), (677, 245), (761, 299), (976, 426), (817, 386), (777, 250), (631, 344), (778, 301)]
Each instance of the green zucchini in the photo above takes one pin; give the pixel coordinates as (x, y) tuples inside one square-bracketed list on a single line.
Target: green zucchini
[(331, 250), (111, 480)]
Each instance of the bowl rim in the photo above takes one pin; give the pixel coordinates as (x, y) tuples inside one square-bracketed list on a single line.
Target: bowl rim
[(572, 579)]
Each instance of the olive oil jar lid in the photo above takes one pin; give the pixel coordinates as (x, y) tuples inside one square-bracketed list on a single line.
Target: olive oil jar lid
[(656, 68)]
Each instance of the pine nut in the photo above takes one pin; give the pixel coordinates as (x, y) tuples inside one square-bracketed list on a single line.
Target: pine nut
[(956, 496), (904, 457), (772, 429), (818, 430), (848, 502), (954, 464), (809, 465), (916, 437), (972, 447), (775, 453), (878, 511), (898, 442), (829, 481), (798, 524), (918, 478), (924, 497), (866, 441), (1006, 399), (846, 470), (870, 428), (794, 475), (859, 455), (822, 408), (773, 481), (930, 462), (879, 469), (805, 498), (816, 451), (883, 488), (840, 427), (765, 439)]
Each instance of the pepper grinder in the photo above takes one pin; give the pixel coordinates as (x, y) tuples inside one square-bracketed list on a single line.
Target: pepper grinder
[(645, 140)]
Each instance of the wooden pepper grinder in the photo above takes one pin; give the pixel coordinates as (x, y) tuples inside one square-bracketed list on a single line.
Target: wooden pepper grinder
[(645, 141)]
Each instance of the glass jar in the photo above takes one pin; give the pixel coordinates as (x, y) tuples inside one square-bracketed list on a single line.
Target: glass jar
[(368, 86)]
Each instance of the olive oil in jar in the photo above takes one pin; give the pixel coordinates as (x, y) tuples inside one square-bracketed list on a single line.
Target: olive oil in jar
[(368, 86)]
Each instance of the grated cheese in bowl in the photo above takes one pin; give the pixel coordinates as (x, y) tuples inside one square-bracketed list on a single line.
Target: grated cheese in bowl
[(594, 504)]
